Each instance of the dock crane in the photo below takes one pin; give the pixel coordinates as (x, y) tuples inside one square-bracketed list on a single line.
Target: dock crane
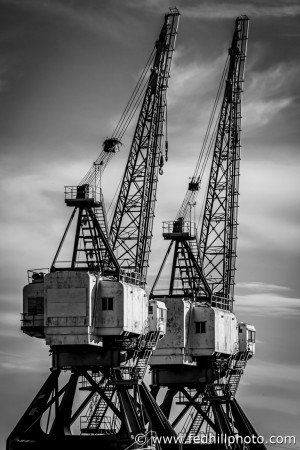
[(92, 310), (205, 350)]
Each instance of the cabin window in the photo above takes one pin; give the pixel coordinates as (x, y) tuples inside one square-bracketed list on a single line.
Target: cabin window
[(251, 336), (107, 303), (240, 329), (200, 327), (150, 309), (35, 305)]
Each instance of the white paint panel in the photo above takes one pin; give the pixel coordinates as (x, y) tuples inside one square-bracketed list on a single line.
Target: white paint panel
[(177, 324), (130, 309), (66, 309), (72, 295), (66, 302)]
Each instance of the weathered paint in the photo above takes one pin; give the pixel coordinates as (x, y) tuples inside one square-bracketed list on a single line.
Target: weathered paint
[(33, 291), (157, 315), (61, 301), (246, 341), (33, 309), (73, 312), (68, 309), (172, 348), (182, 345), (221, 335), (130, 309)]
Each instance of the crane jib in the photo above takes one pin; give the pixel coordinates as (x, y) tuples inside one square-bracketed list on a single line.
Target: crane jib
[(131, 227)]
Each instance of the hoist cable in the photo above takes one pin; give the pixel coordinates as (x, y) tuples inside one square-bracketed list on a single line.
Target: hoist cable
[(131, 114), (219, 91), (127, 111), (205, 148), (93, 176)]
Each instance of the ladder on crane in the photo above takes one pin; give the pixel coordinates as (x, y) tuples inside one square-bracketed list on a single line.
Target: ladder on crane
[(142, 362), (96, 420), (237, 364), (135, 371)]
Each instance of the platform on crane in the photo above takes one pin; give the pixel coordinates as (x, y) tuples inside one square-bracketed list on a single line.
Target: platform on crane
[(179, 229), (84, 196)]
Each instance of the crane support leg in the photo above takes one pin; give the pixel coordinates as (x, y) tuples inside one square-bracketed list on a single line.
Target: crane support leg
[(29, 424), (244, 426), (167, 403), (62, 422), (156, 417)]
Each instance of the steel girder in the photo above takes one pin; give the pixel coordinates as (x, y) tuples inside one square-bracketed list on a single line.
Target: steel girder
[(219, 227), (132, 223), (50, 420), (91, 247)]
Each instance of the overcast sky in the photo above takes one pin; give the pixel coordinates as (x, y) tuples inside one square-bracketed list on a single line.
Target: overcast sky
[(67, 70)]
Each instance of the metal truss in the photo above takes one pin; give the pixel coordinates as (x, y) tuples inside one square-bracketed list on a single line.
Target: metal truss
[(219, 227), (131, 228), (187, 279), (207, 415), (106, 413), (91, 247), (82, 404), (87, 410), (117, 413)]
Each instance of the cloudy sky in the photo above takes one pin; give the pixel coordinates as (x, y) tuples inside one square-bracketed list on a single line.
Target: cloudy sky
[(67, 70)]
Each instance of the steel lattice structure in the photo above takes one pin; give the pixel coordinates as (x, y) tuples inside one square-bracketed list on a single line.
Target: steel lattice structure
[(91, 246), (131, 228), (200, 396), (218, 235)]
